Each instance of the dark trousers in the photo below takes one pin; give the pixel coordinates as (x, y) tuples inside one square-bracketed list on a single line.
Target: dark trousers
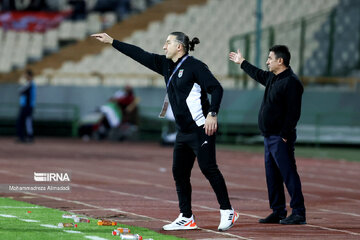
[(280, 168), (187, 147), (24, 126)]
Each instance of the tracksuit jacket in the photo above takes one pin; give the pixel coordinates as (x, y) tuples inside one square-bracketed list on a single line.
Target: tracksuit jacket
[(281, 106), (28, 95), (188, 88)]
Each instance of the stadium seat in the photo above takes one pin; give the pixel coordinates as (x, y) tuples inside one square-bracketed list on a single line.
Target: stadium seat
[(229, 18)]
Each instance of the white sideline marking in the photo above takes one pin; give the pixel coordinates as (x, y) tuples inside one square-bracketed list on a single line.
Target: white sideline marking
[(349, 199), (26, 197), (72, 231), (217, 239), (334, 230), (7, 216), (338, 212), (319, 185), (49, 226), (17, 207), (95, 238), (28, 220)]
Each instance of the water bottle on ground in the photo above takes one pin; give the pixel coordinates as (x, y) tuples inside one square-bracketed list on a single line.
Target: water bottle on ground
[(63, 225), (69, 216), (130, 237), (120, 230), (81, 219), (106, 223)]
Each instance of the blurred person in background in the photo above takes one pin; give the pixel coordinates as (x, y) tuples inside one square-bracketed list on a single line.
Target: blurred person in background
[(278, 116), (188, 82), (24, 125), (117, 119), (128, 103)]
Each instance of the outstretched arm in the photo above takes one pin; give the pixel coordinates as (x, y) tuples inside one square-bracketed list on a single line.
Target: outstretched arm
[(152, 61), (236, 57), (254, 72), (103, 37)]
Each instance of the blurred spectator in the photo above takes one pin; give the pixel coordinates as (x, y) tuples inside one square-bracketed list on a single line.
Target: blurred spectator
[(117, 119), (127, 102), (79, 9), (33, 5), (122, 8), (24, 125)]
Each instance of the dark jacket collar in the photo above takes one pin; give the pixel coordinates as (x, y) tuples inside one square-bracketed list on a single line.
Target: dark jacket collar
[(175, 63), (288, 72)]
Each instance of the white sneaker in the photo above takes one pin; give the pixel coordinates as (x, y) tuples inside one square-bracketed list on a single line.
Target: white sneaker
[(227, 219), (181, 223)]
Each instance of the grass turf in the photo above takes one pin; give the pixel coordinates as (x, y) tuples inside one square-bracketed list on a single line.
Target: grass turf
[(322, 152), (20, 227)]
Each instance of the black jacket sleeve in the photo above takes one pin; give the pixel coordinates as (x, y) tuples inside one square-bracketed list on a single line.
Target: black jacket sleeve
[(255, 73), (212, 86), (294, 91), (152, 61)]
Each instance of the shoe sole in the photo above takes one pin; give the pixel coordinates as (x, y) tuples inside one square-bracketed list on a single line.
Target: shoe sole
[(270, 222), (180, 228), (299, 223), (232, 224)]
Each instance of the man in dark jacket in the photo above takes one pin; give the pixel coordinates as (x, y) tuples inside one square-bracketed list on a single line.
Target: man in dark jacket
[(279, 113), (188, 82)]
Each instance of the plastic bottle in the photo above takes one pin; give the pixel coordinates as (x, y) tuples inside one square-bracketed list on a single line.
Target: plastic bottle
[(130, 237), (81, 219), (120, 230), (69, 216), (106, 223), (62, 225)]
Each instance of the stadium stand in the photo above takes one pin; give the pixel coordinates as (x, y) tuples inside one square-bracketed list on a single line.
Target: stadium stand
[(322, 35), (310, 54), (211, 31), (45, 32)]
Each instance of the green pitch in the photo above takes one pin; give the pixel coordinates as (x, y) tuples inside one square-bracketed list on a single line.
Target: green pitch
[(323, 152), (20, 220)]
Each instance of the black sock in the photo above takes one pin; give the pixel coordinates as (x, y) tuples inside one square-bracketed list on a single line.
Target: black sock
[(187, 215)]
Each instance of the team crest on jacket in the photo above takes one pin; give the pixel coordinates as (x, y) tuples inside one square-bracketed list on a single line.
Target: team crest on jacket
[(181, 71)]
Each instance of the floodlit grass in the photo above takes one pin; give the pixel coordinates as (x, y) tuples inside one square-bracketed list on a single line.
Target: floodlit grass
[(322, 152), (12, 228)]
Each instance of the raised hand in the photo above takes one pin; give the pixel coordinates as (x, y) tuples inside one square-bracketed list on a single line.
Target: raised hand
[(236, 57), (103, 37)]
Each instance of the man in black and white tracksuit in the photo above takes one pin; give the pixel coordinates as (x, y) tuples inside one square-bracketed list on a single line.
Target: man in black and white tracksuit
[(188, 82)]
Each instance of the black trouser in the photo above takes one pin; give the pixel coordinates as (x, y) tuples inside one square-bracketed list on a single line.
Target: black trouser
[(187, 147), (280, 168), (24, 126)]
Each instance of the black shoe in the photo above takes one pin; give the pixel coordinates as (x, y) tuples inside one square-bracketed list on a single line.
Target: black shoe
[(294, 219), (272, 218)]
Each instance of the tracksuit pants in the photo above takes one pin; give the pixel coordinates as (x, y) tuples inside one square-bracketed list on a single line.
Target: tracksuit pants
[(280, 168), (24, 125), (187, 147)]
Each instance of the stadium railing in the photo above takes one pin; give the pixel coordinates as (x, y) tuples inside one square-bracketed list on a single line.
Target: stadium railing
[(314, 43), (50, 119)]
